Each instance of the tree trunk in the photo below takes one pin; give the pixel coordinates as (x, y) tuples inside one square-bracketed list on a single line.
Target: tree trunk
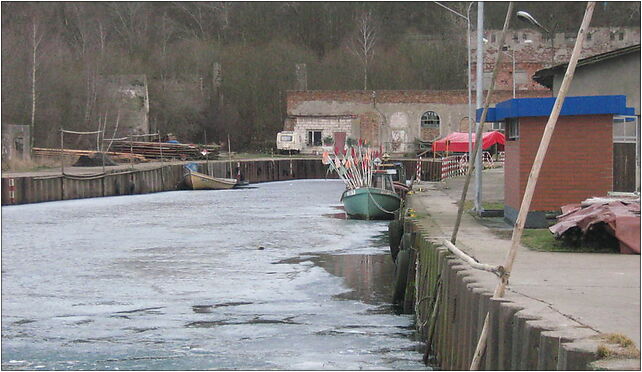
[(34, 68)]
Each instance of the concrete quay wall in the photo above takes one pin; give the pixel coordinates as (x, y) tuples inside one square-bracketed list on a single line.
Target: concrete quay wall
[(41, 188), (524, 334), (143, 179)]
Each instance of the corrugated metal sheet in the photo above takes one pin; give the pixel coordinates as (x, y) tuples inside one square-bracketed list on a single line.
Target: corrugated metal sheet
[(618, 218)]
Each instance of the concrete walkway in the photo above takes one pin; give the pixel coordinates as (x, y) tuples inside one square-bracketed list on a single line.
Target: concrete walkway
[(599, 291)]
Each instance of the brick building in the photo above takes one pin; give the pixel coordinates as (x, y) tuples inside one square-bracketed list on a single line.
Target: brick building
[(579, 162), (616, 72), (533, 51), (395, 119)]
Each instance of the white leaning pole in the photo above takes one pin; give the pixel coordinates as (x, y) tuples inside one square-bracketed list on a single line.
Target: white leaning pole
[(533, 176), (480, 92)]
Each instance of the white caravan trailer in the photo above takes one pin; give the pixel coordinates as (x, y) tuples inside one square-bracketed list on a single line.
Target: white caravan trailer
[(288, 141)]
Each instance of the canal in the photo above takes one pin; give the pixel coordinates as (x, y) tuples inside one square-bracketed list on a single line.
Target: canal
[(258, 278)]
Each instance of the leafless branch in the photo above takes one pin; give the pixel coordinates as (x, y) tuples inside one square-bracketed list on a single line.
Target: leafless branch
[(363, 42)]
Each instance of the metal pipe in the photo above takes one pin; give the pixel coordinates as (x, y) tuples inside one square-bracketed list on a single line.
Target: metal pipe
[(513, 73), (62, 151), (637, 154), (480, 92), (471, 119)]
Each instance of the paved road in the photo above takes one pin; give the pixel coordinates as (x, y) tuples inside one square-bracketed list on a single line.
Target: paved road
[(601, 291)]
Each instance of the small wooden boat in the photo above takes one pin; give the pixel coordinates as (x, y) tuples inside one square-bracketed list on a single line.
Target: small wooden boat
[(199, 181)]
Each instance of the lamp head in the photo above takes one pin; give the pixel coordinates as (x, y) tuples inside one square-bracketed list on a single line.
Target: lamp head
[(526, 17)]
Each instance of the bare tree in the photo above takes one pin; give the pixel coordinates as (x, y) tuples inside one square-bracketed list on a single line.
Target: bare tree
[(223, 13), (363, 42), (36, 39), (204, 15), (167, 31), (131, 21)]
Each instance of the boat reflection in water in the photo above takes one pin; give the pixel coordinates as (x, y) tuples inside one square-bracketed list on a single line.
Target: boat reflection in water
[(368, 276)]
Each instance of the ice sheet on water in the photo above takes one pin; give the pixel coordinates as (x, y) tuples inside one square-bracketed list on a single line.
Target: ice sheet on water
[(118, 281)]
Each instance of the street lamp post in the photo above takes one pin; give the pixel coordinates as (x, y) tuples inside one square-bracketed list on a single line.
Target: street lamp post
[(470, 103), (480, 68), (512, 55), (526, 17)]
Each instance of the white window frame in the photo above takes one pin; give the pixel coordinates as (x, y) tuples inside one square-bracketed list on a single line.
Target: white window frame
[(310, 137), (498, 125), (625, 121), (512, 129)]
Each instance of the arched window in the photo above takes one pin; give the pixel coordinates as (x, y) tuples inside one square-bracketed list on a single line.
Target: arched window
[(430, 119)]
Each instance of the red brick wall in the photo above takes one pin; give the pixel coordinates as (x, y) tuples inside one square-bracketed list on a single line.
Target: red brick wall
[(512, 196), (429, 134), (294, 98), (505, 77), (578, 165), (369, 127)]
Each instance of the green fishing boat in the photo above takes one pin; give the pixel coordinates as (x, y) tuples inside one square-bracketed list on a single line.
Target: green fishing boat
[(371, 193), (377, 202), (370, 203)]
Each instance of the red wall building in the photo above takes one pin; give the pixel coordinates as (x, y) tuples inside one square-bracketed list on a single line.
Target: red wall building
[(579, 161)]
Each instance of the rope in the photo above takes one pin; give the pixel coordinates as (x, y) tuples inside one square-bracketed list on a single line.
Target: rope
[(47, 177), (74, 132), (433, 318), (84, 177), (144, 135), (98, 175), (379, 206)]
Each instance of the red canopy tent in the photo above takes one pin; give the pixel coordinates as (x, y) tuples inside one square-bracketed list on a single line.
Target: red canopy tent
[(458, 142)]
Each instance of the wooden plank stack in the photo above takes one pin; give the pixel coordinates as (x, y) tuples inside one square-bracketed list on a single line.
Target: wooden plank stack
[(71, 156), (153, 150)]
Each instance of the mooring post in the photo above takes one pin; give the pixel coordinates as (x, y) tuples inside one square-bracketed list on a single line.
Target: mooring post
[(62, 152)]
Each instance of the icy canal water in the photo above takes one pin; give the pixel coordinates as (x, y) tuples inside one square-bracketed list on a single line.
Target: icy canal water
[(176, 280)]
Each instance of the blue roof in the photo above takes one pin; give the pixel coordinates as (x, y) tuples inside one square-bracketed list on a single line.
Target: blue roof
[(579, 105)]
